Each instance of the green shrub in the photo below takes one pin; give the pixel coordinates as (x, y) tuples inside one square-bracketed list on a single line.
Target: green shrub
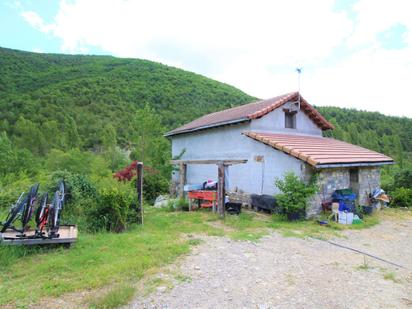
[(77, 162), (177, 204), (14, 160), (11, 186), (113, 209), (77, 186), (403, 179), (81, 194), (295, 194), (153, 186), (181, 204), (171, 205), (401, 197)]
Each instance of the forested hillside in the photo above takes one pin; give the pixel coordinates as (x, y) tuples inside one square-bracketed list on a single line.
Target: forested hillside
[(51, 93), (90, 115), (83, 117), (389, 135)]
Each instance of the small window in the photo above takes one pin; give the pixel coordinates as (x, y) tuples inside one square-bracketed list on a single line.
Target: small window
[(290, 120)]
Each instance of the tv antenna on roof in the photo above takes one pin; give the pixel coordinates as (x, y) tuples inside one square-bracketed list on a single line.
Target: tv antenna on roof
[(299, 70)]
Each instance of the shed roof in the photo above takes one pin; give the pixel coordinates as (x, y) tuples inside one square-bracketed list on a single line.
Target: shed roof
[(321, 152), (250, 111)]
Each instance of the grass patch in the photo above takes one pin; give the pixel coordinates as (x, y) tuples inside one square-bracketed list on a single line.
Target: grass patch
[(116, 297), (396, 214), (182, 278), (195, 242), (302, 229), (248, 226), (311, 228), (152, 284), (247, 220), (248, 235), (290, 279), (365, 265), (216, 232), (391, 276), (96, 260)]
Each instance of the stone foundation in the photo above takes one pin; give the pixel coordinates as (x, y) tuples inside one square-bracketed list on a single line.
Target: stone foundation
[(333, 179)]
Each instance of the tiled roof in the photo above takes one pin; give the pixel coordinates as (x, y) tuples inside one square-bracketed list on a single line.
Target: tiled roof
[(318, 151), (251, 111)]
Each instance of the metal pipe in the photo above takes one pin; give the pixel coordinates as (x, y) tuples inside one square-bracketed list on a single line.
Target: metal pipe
[(360, 252)]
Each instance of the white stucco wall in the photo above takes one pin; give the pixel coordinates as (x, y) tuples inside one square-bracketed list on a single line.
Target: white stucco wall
[(218, 143), (275, 122), (228, 143)]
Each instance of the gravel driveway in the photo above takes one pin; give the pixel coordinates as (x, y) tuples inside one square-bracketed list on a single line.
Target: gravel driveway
[(280, 272)]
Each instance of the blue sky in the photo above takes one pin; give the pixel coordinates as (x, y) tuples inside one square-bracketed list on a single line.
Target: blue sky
[(354, 53)]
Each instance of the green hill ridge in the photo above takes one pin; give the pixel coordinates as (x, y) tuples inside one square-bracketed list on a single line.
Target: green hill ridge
[(54, 92), (96, 90)]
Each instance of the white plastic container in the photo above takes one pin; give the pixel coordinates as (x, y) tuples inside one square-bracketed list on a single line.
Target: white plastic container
[(345, 217), (192, 187)]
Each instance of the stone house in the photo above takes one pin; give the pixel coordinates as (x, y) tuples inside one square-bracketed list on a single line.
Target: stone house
[(275, 136)]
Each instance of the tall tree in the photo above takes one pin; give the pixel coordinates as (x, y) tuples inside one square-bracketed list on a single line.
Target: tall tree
[(51, 132), (398, 150), (151, 146), (29, 136), (111, 152), (387, 146), (109, 137), (72, 135), (7, 155)]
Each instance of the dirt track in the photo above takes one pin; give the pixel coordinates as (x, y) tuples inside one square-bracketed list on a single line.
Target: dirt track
[(279, 272)]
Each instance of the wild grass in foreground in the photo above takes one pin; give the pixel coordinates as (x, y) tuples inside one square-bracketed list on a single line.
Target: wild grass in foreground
[(28, 275), (116, 297)]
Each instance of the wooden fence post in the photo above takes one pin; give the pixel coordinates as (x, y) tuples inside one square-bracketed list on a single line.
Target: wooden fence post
[(139, 188), (221, 189), (182, 179)]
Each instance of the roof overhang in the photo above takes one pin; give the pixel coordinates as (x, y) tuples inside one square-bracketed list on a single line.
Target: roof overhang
[(219, 124), (248, 112), (321, 152)]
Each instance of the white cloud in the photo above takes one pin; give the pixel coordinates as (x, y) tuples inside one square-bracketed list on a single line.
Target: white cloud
[(254, 45), (36, 21), (374, 17), (373, 79)]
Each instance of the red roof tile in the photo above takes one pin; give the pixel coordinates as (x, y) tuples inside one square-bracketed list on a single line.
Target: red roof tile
[(318, 151), (251, 111)]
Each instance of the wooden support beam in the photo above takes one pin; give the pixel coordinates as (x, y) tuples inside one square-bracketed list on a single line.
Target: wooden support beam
[(221, 189), (139, 188), (182, 179), (224, 162)]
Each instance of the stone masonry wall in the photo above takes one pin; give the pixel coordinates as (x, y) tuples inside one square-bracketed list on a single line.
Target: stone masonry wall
[(329, 180), (369, 180)]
